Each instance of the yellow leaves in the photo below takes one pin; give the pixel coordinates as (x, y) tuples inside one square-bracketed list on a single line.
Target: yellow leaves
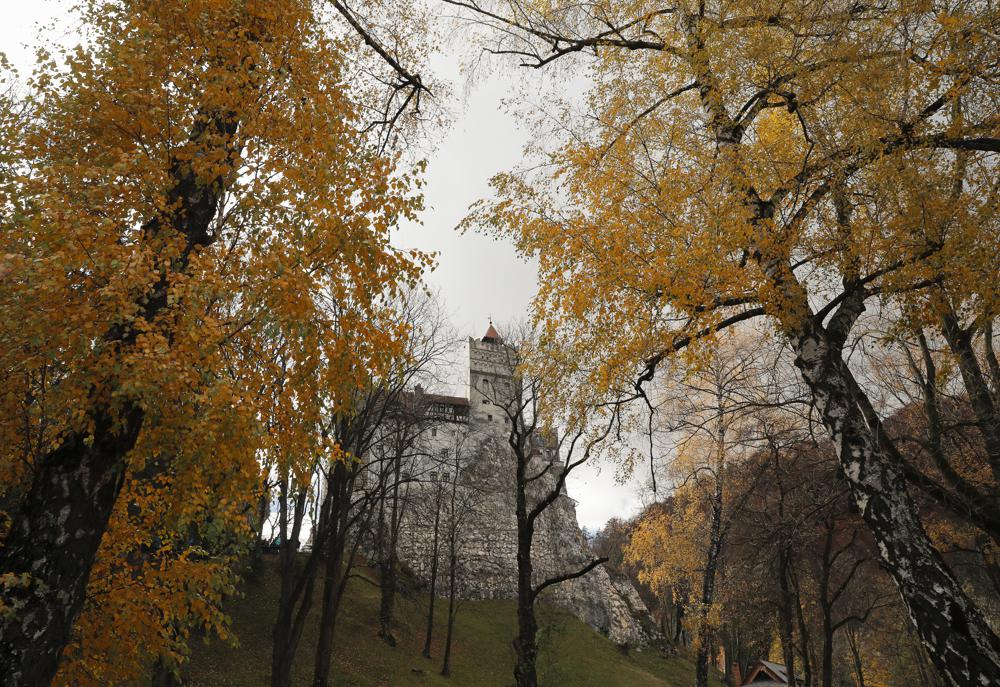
[(645, 218), (669, 545), (275, 320), (152, 585), (776, 128)]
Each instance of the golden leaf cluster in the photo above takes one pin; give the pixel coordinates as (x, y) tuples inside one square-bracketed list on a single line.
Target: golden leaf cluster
[(282, 312)]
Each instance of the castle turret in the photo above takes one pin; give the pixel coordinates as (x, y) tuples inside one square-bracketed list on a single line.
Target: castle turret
[(491, 378), (491, 335)]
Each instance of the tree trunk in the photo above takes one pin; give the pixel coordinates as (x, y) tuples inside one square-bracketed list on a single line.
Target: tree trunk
[(388, 577), (787, 630), (826, 609), (854, 643), (967, 501), (163, 676), (295, 600), (705, 631), (434, 570), (452, 569), (337, 569), (806, 649), (53, 546), (293, 608), (827, 661), (728, 652), (526, 642), (980, 398), (679, 625), (328, 620), (926, 672), (960, 643), (387, 599), (61, 520)]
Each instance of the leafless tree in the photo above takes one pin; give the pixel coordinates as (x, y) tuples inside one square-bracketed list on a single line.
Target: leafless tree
[(542, 459), (354, 491), (347, 489), (466, 491)]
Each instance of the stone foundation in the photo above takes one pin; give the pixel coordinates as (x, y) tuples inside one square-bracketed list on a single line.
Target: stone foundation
[(486, 535)]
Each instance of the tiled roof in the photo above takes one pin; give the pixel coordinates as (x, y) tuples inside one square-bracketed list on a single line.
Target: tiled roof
[(411, 396), (447, 400)]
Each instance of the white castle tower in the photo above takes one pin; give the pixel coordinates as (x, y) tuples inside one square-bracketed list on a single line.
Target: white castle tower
[(491, 378)]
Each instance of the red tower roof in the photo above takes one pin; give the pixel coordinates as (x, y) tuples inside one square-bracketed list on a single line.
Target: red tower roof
[(491, 334)]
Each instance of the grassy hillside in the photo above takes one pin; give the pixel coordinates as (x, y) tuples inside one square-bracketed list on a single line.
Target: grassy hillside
[(573, 655)]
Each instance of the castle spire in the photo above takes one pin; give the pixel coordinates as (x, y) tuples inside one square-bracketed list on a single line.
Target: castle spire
[(491, 336)]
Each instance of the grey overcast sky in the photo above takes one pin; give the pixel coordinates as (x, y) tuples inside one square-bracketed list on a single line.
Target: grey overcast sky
[(477, 276)]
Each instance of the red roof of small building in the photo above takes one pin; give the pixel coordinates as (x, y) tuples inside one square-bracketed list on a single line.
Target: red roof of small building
[(491, 334)]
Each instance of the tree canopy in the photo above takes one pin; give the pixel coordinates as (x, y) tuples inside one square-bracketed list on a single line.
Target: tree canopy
[(192, 202), (798, 161)]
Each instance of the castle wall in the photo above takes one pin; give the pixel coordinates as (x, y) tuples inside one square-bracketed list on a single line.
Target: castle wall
[(485, 521)]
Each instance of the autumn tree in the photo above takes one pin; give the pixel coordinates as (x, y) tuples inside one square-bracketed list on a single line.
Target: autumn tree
[(801, 533), (192, 176), (708, 415), (787, 161)]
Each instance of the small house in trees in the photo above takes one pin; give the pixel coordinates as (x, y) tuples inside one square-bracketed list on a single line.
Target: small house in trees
[(765, 674)]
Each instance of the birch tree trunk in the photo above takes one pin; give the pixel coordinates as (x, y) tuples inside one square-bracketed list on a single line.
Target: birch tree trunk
[(65, 513), (960, 643)]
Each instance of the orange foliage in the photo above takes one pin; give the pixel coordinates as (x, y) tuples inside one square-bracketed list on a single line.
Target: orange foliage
[(297, 279)]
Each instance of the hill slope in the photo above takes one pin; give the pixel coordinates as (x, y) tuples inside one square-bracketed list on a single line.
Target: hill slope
[(572, 654)]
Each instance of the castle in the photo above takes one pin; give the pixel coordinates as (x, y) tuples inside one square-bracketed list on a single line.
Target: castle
[(463, 485)]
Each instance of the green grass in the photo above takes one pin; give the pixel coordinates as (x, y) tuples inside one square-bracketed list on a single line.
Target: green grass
[(572, 654)]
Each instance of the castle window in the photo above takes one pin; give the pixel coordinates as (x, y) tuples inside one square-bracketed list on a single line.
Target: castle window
[(489, 418), (434, 431), (406, 477), (434, 477), (485, 401), (444, 454), (445, 476)]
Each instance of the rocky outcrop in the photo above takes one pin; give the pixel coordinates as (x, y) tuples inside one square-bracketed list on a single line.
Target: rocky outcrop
[(486, 537)]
